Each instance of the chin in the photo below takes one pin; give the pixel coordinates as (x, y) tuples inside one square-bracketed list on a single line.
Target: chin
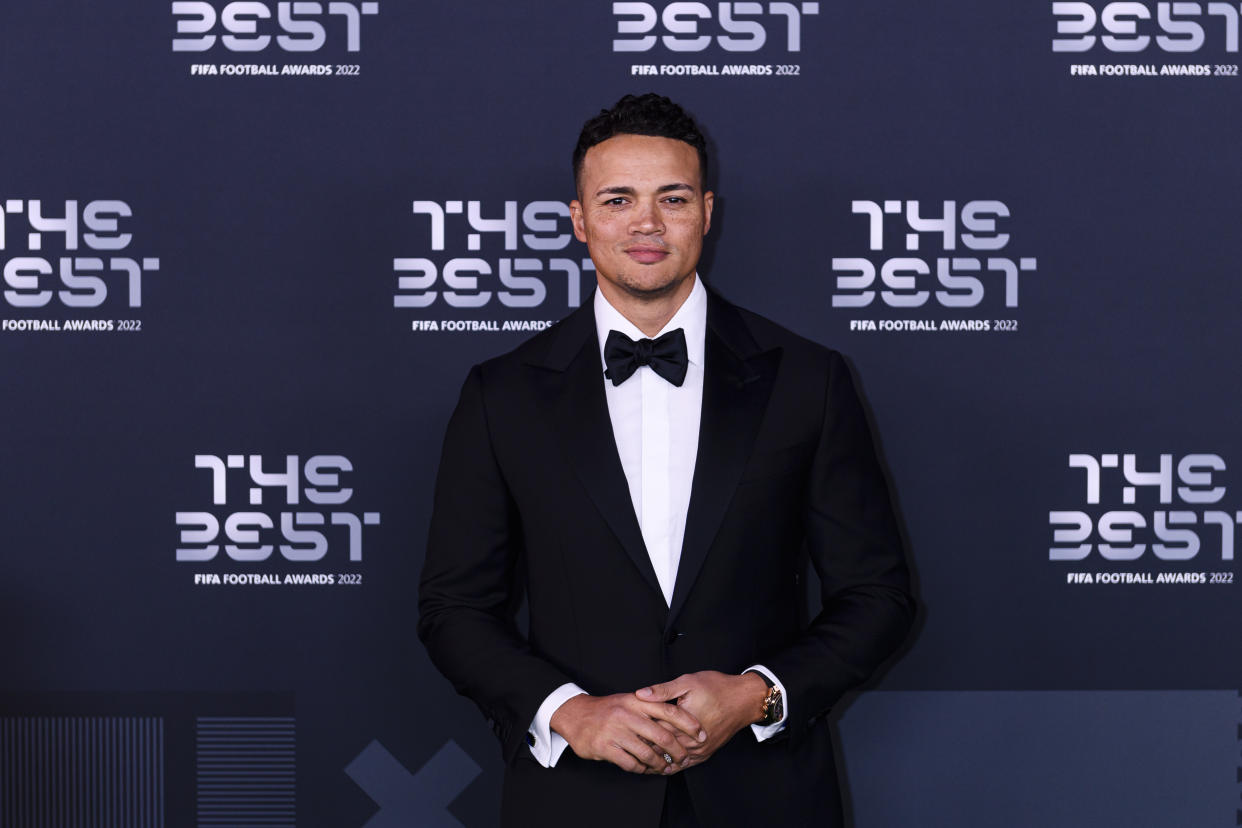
[(649, 291), (651, 288)]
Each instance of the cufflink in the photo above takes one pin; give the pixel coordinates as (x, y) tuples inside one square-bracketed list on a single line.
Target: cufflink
[(530, 739)]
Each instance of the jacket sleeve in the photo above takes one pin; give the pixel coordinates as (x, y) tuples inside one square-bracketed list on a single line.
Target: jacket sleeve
[(471, 581), (856, 549)]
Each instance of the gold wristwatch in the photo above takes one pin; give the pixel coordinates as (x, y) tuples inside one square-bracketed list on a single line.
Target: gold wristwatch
[(773, 702)]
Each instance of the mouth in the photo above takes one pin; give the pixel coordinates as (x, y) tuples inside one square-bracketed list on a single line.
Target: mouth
[(647, 254)]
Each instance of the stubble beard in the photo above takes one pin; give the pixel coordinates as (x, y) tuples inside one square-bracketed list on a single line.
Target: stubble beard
[(644, 293)]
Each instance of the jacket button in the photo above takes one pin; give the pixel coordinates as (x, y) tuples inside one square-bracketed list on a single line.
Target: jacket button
[(672, 637)]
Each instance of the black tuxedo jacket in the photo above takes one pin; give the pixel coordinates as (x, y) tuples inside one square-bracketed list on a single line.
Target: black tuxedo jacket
[(531, 498)]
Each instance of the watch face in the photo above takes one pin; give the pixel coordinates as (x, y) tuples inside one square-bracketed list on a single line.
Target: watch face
[(773, 706)]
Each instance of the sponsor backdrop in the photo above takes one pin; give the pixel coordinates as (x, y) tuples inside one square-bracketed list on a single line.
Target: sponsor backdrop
[(251, 249)]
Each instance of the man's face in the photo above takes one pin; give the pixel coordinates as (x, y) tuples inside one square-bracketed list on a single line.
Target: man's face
[(642, 212)]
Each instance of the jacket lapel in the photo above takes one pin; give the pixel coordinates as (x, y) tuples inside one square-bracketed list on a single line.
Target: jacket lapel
[(572, 386), (737, 382)]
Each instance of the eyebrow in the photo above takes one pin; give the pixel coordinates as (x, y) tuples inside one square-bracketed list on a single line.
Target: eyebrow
[(667, 188)]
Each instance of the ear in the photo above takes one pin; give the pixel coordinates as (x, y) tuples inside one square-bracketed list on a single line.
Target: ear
[(575, 214), (709, 199)]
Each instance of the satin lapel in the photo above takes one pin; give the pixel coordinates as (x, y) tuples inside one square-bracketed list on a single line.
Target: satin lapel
[(578, 409), (737, 381)]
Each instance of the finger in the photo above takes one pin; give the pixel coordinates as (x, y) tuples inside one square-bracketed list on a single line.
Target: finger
[(692, 748), (617, 755), (670, 763), (661, 740), (659, 766), (642, 751), (682, 739), (662, 692), (679, 718)]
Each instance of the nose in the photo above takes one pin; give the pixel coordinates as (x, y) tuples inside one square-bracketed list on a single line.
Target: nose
[(646, 218)]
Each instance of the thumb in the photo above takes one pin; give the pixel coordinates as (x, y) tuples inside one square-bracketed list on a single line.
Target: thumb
[(667, 691)]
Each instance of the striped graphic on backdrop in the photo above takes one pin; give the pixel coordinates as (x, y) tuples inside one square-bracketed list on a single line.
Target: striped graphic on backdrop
[(247, 767), (80, 772)]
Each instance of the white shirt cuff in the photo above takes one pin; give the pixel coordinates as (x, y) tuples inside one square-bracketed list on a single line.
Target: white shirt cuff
[(546, 745), (768, 731)]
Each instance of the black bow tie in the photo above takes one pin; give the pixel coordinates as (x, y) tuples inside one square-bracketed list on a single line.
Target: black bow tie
[(666, 355)]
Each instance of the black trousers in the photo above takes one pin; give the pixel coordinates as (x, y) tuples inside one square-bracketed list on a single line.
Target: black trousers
[(678, 807)]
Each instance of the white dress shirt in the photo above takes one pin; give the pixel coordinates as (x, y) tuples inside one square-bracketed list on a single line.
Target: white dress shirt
[(656, 427)]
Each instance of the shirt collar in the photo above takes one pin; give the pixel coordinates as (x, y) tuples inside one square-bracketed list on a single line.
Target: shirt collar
[(691, 317)]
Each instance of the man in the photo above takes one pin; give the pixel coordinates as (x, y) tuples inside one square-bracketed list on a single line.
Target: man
[(651, 472)]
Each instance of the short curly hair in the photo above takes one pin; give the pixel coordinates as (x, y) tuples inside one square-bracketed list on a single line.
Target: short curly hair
[(648, 114)]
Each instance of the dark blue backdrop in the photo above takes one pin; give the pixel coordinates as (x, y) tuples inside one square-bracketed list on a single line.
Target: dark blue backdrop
[(259, 258)]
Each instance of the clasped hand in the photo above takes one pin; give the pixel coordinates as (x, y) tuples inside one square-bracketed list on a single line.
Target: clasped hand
[(686, 719)]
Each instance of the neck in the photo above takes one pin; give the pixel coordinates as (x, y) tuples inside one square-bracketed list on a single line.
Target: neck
[(648, 313)]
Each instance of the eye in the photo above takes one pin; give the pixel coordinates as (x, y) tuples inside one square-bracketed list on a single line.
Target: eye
[(614, 202), (676, 200)]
